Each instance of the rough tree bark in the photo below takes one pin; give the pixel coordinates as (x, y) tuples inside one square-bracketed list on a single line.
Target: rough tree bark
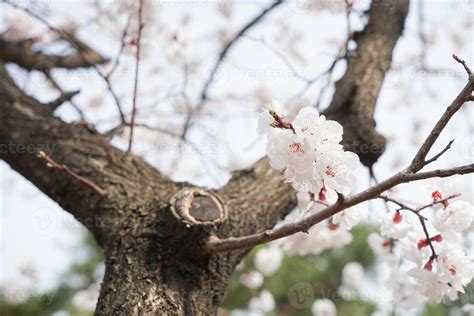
[(154, 265)]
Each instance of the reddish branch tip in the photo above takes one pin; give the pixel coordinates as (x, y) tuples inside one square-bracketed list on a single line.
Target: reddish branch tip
[(50, 163)]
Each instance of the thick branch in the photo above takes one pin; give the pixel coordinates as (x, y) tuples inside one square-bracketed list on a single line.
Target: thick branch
[(357, 91), (84, 56), (256, 199), (405, 176), (27, 126), (161, 274), (23, 54)]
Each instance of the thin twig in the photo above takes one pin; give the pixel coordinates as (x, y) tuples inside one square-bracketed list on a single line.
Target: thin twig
[(400, 204), (429, 240), (434, 255), (421, 218), (137, 68), (53, 164), (122, 47), (227, 47), (442, 201), (416, 211), (435, 157)]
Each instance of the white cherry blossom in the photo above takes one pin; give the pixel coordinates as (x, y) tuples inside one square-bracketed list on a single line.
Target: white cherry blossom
[(457, 216), (252, 279), (319, 238), (348, 218), (288, 150), (394, 225), (405, 294), (323, 307), (309, 124), (352, 274), (308, 150), (264, 302), (439, 189), (268, 260), (334, 170), (468, 309), (454, 267), (382, 247)]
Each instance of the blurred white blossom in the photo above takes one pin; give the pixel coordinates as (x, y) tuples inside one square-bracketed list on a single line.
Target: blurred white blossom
[(323, 307), (268, 260)]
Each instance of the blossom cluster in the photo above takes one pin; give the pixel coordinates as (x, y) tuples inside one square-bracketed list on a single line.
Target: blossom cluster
[(425, 252), (309, 151), (328, 234), (427, 257)]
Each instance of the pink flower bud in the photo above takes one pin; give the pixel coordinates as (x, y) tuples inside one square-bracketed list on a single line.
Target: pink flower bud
[(397, 218)]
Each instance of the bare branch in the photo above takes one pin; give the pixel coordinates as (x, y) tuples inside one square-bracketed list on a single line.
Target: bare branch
[(353, 106), (402, 205), (122, 47), (420, 158), (22, 54), (436, 202), (417, 211), (126, 179), (234, 243)]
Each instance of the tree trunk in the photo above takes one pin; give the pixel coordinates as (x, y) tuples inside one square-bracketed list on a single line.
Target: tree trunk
[(145, 278)]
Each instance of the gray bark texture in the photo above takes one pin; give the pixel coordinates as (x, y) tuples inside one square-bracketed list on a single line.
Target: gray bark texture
[(154, 263)]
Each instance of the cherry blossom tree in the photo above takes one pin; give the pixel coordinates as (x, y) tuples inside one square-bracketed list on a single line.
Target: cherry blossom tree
[(170, 246)]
